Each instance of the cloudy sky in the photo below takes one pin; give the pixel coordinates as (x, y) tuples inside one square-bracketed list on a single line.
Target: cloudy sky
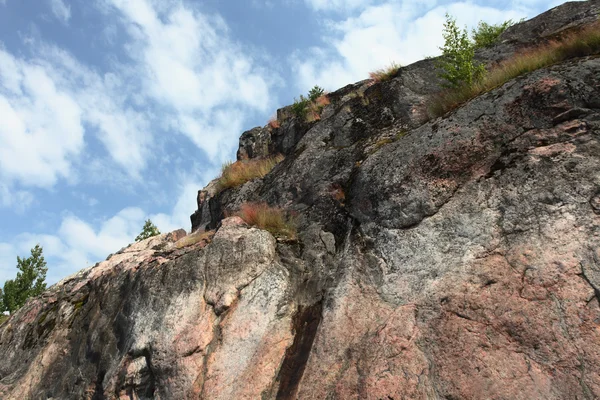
[(114, 111)]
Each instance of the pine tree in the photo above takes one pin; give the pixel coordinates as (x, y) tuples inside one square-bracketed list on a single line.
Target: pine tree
[(30, 281), (148, 230)]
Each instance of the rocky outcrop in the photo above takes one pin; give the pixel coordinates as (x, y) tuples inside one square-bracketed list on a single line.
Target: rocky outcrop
[(457, 258)]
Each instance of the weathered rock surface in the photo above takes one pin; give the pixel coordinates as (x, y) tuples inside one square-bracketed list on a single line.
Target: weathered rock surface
[(452, 259)]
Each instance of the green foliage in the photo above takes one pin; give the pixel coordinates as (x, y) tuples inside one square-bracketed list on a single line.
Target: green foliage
[(315, 93), (457, 61), (486, 35), (30, 281), (148, 230), (579, 43), (301, 107)]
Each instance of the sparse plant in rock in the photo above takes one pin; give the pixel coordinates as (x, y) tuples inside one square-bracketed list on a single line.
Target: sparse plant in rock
[(274, 123), (315, 93), (299, 108), (272, 219), (240, 172), (199, 239), (457, 63), (385, 74), (148, 231), (309, 108)]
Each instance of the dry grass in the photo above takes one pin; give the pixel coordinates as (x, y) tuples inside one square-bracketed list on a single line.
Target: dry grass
[(314, 108), (240, 172), (200, 238), (385, 74), (322, 101), (582, 43), (272, 219), (274, 123)]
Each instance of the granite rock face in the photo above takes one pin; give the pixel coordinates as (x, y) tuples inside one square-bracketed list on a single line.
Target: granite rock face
[(456, 258)]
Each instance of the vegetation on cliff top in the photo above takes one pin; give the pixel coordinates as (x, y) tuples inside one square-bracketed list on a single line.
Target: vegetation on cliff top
[(310, 107), (580, 43), (148, 231)]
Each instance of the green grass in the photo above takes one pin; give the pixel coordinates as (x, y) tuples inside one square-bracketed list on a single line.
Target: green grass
[(239, 172), (583, 43), (3, 318)]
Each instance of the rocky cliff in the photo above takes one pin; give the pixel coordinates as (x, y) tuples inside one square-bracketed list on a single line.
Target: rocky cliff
[(447, 258)]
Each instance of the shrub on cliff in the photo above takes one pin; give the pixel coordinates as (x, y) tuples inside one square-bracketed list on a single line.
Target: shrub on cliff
[(487, 34), (148, 231), (579, 43), (457, 63), (308, 106)]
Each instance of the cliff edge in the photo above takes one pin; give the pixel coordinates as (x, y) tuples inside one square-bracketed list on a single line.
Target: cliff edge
[(455, 257)]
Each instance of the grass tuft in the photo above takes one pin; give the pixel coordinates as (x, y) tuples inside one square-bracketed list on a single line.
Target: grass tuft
[(274, 123), (385, 74), (272, 219), (240, 172), (200, 238), (583, 43)]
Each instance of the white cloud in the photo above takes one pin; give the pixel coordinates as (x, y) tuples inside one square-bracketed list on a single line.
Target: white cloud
[(48, 104), (19, 200), (401, 32), (205, 83), (338, 5), (61, 10), (78, 244), (42, 127)]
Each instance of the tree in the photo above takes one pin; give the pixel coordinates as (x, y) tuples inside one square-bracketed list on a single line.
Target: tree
[(457, 61), (148, 230), (30, 281)]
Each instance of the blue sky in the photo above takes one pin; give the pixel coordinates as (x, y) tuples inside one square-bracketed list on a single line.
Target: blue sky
[(114, 111)]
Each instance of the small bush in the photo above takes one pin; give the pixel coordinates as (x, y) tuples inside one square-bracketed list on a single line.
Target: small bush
[(315, 93), (582, 43), (299, 108), (271, 219), (240, 172), (385, 74), (457, 64), (486, 35), (308, 107), (148, 230)]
